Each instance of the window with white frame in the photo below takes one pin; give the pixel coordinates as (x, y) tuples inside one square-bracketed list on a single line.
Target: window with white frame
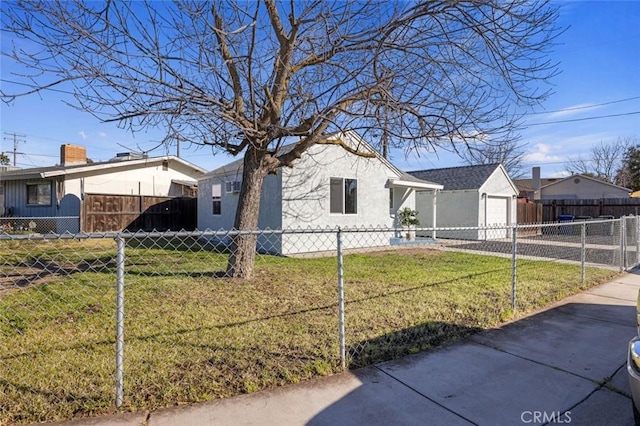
[(343, 196), (39, 194), (216, 196)]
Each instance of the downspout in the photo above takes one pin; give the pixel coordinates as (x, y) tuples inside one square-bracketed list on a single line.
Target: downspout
[(435, 209)]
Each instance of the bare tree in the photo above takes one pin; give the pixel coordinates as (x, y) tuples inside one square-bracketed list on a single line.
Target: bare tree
[(628, 174), (509, 153), (243, 77), (604, 161)]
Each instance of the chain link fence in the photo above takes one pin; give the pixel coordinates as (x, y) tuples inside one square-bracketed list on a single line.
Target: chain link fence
[(94, 323), (40, 225)]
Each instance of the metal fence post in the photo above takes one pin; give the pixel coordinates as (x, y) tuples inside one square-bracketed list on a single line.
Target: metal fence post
[(343, 350), (514, 262), (583, 251), (119, 321), (637, 235), (622, 234)]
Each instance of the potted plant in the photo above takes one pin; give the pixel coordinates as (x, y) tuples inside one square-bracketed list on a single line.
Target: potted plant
[(409, 220)]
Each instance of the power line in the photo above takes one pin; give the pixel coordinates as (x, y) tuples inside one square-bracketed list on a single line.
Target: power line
[(16, 137), (584, 119), (585, 106)]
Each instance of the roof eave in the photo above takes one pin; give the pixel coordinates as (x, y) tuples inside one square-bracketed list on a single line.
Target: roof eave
[(415, 185)]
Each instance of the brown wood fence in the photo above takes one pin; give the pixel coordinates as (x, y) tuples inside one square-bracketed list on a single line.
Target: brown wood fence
[(529, 213), (106, 213), (616, 207)]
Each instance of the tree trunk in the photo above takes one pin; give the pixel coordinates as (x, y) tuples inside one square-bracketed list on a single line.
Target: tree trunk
[(243, 248)]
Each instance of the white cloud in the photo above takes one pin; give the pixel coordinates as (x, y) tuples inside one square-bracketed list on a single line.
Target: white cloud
[(542, 153), (102, 134), (83, 135), (570, 110)]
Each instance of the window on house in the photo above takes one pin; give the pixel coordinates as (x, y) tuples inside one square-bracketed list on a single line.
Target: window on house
[(216, 195), (165, 165), (343, 196), (390, 198), (39, 194), (233, 186)]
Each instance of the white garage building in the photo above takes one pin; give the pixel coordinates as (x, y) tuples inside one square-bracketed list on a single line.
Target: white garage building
[(473, 196)]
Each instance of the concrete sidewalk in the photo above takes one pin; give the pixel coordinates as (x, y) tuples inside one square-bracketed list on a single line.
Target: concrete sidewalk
[(565, 364)]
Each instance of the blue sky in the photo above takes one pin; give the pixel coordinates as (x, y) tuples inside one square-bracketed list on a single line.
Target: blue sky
[(599, 58)]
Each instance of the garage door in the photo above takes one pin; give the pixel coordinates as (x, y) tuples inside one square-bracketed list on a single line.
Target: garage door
[(497, 214)]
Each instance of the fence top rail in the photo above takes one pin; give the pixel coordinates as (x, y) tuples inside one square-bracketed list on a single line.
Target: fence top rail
[(234, 232)]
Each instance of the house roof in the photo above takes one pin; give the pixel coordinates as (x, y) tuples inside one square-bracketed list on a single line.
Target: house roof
[(581, 176), (458, 178), (108, 166), (527, 184), (404, 179)]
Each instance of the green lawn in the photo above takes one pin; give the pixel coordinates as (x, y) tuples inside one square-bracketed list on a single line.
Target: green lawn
[(192, 337)]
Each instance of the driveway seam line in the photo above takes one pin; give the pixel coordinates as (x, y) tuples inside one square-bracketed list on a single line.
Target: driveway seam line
[(425, 396), (599, 384)]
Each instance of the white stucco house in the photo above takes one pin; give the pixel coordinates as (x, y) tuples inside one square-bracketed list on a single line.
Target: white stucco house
[(328, 187), (473, 196), (57, 191)]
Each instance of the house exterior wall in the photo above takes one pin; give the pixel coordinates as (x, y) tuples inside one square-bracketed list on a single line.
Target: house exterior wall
[(495, 200), (137, 180), (270, 215), (453, 209), (498, 205), (148, 180), (298, 198), (15, 198), (582, 189), (306, 203)]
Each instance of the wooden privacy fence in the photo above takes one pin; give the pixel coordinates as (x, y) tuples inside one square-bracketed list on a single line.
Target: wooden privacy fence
[(106, 213), (616, 207), (529, 213)]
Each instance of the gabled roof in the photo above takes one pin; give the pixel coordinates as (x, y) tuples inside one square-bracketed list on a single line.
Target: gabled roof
[(458, 178), (581, 176), (107, 166), (404, 179), (527, 184)]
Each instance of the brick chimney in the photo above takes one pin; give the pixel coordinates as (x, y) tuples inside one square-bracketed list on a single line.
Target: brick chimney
[(72, 154)]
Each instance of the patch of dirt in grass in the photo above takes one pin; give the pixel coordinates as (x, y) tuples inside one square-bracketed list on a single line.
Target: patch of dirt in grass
[(22, 277), (38, 272)]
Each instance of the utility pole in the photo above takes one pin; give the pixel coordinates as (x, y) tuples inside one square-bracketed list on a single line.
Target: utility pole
[(16, 138)]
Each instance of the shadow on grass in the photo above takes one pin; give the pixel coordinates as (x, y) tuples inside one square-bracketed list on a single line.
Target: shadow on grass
[(39, 271), (407, 341), (289, 314)]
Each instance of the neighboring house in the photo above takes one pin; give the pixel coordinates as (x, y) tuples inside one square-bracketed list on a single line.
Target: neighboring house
[(58, 190), (574, 187), (581, 187), (328, 187), (473, 196), (526, 187)]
